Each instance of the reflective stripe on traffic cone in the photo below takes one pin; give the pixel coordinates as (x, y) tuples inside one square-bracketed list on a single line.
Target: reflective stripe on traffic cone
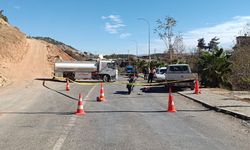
[(80, 110), (67, 85), (101, 97), (171, 107)]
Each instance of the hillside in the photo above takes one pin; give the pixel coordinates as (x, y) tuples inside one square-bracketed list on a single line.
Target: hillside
[(23, 59), (71, 51)]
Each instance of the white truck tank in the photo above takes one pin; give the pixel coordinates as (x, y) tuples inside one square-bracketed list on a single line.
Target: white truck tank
[(76, 66)]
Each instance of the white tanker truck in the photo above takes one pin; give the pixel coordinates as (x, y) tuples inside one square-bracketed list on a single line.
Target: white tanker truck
[(105, 70)]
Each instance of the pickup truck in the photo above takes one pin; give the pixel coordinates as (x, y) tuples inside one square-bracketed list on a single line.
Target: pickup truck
[(180, 75)]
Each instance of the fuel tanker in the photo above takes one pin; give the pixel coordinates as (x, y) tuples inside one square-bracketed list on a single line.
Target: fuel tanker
[(105, 70)]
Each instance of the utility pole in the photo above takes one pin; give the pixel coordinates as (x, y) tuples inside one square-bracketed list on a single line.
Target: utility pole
[(155, 53), (128, 57), (136, 47), (149, 57)]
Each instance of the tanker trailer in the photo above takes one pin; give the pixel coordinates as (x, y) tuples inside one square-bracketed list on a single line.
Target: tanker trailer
[(85, 70)]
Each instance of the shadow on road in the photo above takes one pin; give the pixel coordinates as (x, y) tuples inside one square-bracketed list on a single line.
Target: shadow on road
[(134, 97), (98, 112), (143, 111), (48, 79), (123, 111), (234, 106), (121, 92), (160, 89), (72, 98), (38, 113), (193, 110)]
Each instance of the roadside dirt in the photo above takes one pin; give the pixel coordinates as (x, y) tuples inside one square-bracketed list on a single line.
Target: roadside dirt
[(236, 95), (23, 59)]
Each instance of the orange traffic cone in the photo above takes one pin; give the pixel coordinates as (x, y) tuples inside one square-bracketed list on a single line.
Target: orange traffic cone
[(101, 97), (67, 85), (171, 107), (197, 89), (80, 110)]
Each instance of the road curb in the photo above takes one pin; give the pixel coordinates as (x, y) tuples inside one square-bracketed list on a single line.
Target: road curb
[(218, 109)]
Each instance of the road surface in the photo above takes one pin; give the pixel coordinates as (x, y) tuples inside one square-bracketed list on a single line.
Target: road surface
[(40, 116)]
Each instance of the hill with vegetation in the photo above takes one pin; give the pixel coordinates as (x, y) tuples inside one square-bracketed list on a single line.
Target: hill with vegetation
[(71, 51)]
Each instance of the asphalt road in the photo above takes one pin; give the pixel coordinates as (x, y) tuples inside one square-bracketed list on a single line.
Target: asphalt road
[(40, 116)]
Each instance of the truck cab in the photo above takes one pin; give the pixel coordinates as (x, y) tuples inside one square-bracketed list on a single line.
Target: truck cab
[(107, 70), (129, 69)]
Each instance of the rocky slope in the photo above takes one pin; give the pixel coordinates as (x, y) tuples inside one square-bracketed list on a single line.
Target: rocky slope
[(23, 59)]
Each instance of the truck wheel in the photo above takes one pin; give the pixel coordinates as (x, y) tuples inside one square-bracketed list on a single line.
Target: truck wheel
[(106, 78), (70, 75)]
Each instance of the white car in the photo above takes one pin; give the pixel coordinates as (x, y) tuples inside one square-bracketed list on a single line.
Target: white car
[(160, 74)]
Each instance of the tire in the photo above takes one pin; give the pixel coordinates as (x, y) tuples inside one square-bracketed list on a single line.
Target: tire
[(70, 75), (106, 78)]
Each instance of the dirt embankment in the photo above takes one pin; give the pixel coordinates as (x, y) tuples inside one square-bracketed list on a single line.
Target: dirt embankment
[(23, 59)]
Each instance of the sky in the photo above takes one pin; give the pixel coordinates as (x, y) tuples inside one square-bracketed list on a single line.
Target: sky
[(114, 27)]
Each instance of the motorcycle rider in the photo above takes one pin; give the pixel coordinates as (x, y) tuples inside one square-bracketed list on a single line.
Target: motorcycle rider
[(130, 85)]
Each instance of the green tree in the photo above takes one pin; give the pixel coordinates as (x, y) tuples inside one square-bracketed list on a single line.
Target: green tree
[(214, 68), (213, 44), (165, 31), (141, 64), (3, 16), (201, 45), (240, 76)]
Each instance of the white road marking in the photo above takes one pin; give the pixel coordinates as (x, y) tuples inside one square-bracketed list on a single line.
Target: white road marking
[(67, 128)]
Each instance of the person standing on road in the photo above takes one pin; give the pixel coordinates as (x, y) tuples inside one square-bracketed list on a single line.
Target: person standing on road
[(131, 81), (151, 75), (145, 72)]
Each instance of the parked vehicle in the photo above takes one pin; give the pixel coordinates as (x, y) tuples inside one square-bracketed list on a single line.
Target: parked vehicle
[(105, 70), (160, 74), (180, 75), (131, 70)]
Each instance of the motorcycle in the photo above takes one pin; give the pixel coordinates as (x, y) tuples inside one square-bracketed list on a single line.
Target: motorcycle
[(130, 84)]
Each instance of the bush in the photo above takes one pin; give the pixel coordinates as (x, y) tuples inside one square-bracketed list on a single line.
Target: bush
[(3, 16), (240, 77), (214, 67)]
